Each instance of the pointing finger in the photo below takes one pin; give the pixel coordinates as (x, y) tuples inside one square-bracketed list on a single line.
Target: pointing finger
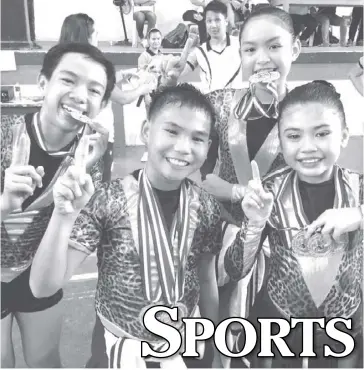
[(81, 155), (21, 151), (255, 171)]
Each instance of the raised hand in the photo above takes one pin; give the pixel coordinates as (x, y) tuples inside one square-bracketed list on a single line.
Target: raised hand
[(98, 139), (148, 82), (176, 66), (336, 222), (198, 17), (257, 203), (74, 189), (20, 178), (192, 41), (98, 135), (124, 75)]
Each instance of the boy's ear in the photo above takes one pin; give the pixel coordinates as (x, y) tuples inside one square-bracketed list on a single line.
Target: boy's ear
[(42, 83), (296, 49), (144, 135), (345, 137)]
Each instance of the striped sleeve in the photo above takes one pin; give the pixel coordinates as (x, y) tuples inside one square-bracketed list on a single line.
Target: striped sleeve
[(192, 60)]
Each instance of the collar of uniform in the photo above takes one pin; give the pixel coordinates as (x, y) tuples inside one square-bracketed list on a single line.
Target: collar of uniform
[(208, 45), (37, 136), (150, 52)]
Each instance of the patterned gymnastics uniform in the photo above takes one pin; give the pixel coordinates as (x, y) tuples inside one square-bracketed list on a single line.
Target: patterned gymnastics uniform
[(259, 141), (23, 230), (256, 144), (313, 279), (109, 224)]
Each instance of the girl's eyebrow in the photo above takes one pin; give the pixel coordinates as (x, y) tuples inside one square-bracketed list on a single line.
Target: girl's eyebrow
[(292, 129), (324, 125), (275, 38)]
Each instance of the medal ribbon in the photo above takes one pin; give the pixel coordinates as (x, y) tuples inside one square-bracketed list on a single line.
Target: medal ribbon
[(154, 236), (39, 137)]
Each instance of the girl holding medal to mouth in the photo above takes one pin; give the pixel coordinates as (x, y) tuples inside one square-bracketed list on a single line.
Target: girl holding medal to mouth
[(246, 129)]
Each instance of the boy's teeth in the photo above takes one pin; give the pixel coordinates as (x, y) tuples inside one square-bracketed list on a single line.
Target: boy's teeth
[(310, 160), (177, 162)]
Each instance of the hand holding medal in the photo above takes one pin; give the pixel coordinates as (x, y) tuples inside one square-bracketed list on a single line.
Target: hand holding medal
[(21, 179), (257, 203), (74, 189), (98, 137), (335, 223)]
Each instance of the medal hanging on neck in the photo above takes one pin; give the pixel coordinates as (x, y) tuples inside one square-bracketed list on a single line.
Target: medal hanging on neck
[(155, 237), (250, 107), (39, 138)]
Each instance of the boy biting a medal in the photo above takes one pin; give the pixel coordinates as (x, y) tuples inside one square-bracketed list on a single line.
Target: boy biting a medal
[(35, 151)]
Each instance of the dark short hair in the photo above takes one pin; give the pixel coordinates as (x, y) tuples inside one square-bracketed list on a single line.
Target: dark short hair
[(270, 11), (318, 91), (183, 95), (154, 30), (216, 7), (77, 28), (56, 53)]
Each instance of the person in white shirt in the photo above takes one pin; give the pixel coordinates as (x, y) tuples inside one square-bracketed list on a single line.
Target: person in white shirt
[(153, 50), (218, 58)]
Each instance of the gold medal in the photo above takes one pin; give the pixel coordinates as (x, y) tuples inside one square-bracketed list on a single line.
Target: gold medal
[(264, 77), (317, 245)]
